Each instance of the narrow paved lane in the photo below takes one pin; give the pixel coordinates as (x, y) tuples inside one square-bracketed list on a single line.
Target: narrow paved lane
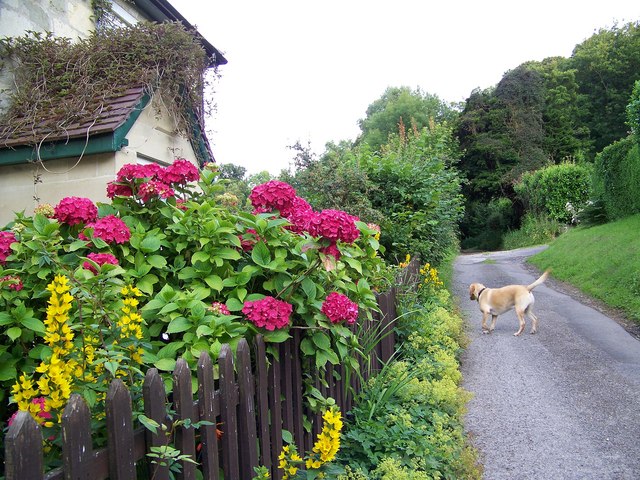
[(562, 404)]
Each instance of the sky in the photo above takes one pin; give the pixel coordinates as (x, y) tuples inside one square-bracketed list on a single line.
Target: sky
[(306, 70)]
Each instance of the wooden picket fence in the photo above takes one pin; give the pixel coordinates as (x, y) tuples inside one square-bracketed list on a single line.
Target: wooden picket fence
[(255, 397)]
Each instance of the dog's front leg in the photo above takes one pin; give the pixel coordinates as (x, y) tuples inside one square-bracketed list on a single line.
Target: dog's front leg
[(493, 323), (485, 317)]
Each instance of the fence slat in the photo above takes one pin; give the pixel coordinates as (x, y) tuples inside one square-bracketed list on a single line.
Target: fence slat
[(23, 449), (295, 403), (228, 404), (77, 448), (155, 408), (248, 444), (262, 399), (286, 379), (120, 432), (183, 399), (207, 411), (275, 405)]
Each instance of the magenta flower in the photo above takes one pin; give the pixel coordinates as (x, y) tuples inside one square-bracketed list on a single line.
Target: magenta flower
[(13, 282), (219, 308), (42, 413), (110, 229), (268, 313), (332, 250), (6, 239), (153, 189), (75, 210), (100, 259), (335, 225), (131, 171), (118, 190), (181, 171), (337, 307), (248, 240), (300, 214), (273, 195)]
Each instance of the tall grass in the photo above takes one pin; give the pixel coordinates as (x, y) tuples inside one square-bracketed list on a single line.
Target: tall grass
[(535, 230), (603, 261)]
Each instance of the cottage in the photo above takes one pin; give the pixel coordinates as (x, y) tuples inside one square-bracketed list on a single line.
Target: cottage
[(43, 159)]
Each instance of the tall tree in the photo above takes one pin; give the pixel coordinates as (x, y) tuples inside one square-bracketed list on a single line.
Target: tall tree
[(607, 64), (401, 103)]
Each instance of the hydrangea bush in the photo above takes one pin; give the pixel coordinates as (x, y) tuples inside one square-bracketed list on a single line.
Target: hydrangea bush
[(202, 276)]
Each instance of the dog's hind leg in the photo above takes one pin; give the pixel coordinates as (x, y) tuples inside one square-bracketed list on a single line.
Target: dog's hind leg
[(520, 314), (493, 323), (534, 319)]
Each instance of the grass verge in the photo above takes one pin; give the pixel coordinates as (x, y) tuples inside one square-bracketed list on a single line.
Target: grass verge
[(602, 261)]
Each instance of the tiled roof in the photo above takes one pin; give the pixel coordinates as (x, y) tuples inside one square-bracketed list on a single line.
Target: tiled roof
[(114, 112)]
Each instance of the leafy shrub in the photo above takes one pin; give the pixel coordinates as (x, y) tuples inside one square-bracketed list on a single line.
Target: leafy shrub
[(633, 111), (202, 276), (548, 190), (485, 223), (407, 421), (617, 178), (535, 230)]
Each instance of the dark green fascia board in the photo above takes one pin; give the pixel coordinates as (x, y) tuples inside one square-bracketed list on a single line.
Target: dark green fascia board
[(103, 143)]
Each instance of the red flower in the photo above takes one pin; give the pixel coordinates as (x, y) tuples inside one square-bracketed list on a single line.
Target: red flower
[(110, 229), (100, 259), (118, 190), (248, 240), (181, 171), (331, 250), (273, 195), (300, 214), (154, 188), (13, 282), (219, 308), (6, 239), (131, 171), (74, 210), (335, 225), (337, 307), (268, 313)]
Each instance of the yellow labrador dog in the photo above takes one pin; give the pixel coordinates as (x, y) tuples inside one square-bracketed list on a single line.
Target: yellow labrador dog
[(496, 301)]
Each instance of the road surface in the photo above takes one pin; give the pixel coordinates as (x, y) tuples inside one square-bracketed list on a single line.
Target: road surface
[(561, 404)]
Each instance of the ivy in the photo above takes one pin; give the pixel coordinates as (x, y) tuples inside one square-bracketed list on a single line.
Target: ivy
[(59, 81)]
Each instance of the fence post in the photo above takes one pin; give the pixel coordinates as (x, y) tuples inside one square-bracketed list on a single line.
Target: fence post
[(275, 404), (208, 412), (156, 409), (262, 386), (23, 449), (248, 445), (77, 448), (120, 432), (183, 399), (228, 403)]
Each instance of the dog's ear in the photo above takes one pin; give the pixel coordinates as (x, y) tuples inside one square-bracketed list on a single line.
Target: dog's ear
[(472, 291)]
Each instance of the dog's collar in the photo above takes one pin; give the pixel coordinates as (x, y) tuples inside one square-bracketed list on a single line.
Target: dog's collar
[(480, 293)]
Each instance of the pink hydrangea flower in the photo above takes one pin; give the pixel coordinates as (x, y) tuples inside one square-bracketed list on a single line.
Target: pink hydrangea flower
[(300, 214), (335, 225), (110, 229), (13, 282), (181, 171), (6, 239), (75, 210), (332, 250), (219, 308), (337, 307), (42, 413), (153, 189), (268, 313), (131, 171), (100, 259), (118, 190), (273, 195)]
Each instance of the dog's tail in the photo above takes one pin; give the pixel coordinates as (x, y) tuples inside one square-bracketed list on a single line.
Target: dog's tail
[(539, 281)]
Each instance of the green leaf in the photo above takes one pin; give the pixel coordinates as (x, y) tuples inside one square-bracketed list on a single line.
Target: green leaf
[(13, 333), (40, 222), (112, 367), (7, 371), (204, 330), (276, 336), (166, 364), (146, 283), (34, 324), (228, 253), (287, 437), (353, 263), (200, 257), (157, 261), (260, 254), (150, 244), (309, 288), (170, 350), (234, 305), (322, 340), (215, 282), (307, 347), (6, 318), (149, 423), (178, 324), (77, 245)]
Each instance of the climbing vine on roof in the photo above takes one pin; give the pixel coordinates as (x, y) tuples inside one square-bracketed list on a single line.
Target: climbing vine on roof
[(58, 81)]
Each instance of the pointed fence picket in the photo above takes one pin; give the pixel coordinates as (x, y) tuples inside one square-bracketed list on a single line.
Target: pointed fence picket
[(256, 396)]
